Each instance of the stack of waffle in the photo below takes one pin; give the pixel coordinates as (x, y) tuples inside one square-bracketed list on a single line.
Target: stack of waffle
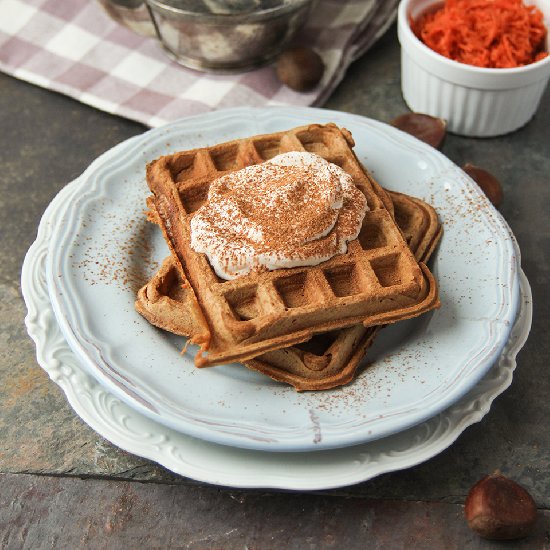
[(306, 326)]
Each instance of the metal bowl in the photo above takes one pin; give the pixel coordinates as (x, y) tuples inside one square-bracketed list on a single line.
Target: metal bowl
[(215, 35)]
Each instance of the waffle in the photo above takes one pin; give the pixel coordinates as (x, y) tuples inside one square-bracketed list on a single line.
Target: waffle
[(377, 281), (327, 360)]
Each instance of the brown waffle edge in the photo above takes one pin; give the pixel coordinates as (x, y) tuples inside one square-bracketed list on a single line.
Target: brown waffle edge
[(375, 282), (165, 303)]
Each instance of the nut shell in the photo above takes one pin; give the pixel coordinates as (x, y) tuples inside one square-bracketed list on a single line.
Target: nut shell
[(426, 128), (488, 183), (498, 508), (300, 68)]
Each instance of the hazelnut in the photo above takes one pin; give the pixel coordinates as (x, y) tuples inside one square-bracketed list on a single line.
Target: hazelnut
[(498, 508), (300, 68), (487, 183), (426, 128)]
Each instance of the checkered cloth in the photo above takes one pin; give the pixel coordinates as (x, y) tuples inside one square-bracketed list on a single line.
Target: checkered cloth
[(73, 47)]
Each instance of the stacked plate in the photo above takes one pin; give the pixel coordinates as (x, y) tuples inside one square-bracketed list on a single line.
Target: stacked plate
[(427, 379)]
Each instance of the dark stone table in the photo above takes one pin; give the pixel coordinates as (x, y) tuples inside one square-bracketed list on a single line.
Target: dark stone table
[(63, 486)]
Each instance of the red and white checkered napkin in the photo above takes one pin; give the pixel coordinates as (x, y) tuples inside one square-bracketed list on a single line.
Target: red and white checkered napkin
[(74, 48)]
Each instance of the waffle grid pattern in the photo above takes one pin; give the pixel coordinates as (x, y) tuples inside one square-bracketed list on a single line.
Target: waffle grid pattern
[(327, 360), (377, 280)]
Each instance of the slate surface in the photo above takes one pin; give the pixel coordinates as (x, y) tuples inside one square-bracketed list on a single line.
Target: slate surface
[(121, 514), (47, 140)]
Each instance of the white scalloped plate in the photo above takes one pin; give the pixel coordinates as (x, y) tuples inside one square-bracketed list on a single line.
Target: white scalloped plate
[(222, 465), (419, 367)]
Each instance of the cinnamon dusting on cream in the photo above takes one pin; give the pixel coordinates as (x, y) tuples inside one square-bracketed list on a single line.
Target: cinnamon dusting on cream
[(294, 210)]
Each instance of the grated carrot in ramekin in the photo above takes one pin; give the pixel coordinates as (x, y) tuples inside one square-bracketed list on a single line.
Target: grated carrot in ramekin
[(484, 33)]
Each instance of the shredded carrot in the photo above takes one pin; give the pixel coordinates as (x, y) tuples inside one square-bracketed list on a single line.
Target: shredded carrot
[(485, 33)]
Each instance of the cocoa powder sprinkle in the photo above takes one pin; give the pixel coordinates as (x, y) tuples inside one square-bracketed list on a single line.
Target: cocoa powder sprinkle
[(296, 209)]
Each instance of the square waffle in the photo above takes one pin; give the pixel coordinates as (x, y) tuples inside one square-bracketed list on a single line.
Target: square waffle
[(327, 360), (377, 281)]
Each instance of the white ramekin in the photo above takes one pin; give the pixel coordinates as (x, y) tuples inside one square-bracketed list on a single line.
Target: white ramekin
[(474, 101)]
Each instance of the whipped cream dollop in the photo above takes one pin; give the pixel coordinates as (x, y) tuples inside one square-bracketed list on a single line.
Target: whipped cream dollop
[(295, 209)]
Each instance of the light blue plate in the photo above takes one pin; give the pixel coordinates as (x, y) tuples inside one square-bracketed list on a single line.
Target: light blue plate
[(102, 249)]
